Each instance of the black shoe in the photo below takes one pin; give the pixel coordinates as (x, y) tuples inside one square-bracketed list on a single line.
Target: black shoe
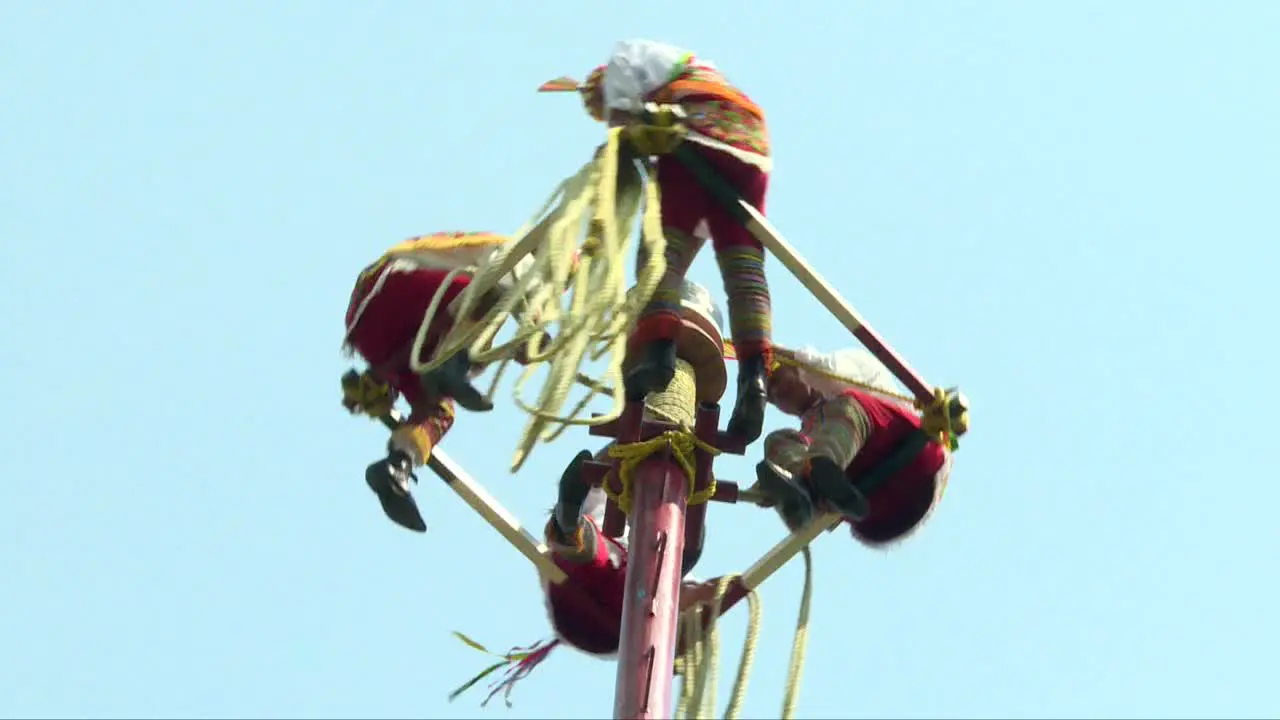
[(450, 380), (793, 501), (747, 421), (830, 484), (653, 372), (571, 495), (389, 480)]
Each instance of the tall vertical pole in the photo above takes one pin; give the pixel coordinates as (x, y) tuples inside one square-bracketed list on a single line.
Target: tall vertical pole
[(650, 610), (651, 606)]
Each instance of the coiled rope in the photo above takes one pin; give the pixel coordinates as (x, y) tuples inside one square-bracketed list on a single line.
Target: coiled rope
[(698, 666), (600, 309)]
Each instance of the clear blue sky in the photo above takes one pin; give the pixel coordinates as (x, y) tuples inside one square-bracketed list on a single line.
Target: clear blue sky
[(1070, 209)]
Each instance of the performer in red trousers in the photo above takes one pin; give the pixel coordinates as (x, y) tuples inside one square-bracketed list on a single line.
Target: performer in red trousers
[(730, 135), (585, 610), (596, 564), (846, 433), (387, 307)]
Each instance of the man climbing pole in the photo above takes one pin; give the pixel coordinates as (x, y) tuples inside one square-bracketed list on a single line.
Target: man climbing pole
[(387, 307), (730, 135), (585, 610), (862, 450)]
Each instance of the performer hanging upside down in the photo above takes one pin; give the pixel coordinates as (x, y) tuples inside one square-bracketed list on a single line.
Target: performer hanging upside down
[(586, 610), (730, 134), (851, 438), (595, 563), (386, 310)]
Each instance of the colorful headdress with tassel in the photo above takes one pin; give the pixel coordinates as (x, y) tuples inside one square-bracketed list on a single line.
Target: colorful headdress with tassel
[(591, 90)]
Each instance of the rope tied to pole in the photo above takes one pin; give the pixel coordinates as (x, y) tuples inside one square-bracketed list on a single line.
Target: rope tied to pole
[(682, 444), (674, 404)]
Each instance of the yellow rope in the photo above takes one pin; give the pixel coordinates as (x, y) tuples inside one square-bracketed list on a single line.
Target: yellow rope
[(591, 269), (698, 667), (936, 417), (683, 445), (674, 404), (795, 666)]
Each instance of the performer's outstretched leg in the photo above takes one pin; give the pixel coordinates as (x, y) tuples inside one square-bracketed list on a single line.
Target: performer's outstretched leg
[(660, 321), (571, 493), (688, 212), (741, 260), (750, 325)]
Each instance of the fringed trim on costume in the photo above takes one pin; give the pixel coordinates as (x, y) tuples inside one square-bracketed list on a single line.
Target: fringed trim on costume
[(447, 241), (519, 663), (368, 284), (436, 250), (693, 80)]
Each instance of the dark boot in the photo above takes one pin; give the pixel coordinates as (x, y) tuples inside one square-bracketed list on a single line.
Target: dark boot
[(830, 485), (570, 496), (653, 372), (747, 421), (450, 380), (570, 537), (389, 480), (793, 502)]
